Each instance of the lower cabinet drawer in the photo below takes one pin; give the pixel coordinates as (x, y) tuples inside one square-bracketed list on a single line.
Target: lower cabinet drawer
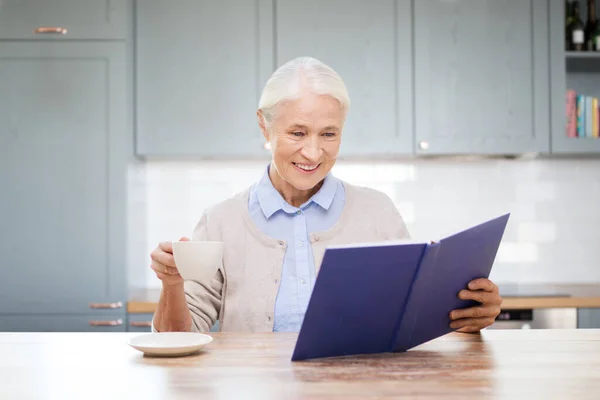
[(139, 322), (588, 318), (63, 323), (143, 323)]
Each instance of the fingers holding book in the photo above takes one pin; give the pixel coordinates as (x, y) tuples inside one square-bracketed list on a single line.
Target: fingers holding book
[(473, 319)]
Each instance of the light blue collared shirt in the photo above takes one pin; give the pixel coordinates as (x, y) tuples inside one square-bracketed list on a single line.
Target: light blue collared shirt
[(279, 220)]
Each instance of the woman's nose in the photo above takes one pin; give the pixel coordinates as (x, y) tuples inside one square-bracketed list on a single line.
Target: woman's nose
[(312, 150)]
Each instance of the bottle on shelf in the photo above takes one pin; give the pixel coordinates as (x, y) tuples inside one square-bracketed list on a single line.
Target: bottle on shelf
[(591, 27), (596, 38), (577, 29), (568, 25)]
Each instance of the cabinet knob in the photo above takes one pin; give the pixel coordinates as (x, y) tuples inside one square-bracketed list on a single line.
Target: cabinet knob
[(116, 322), (118, 304), (423, 145), (50, 30)]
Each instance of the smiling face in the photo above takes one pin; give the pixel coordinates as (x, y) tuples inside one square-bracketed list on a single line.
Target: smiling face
[(305, 138)]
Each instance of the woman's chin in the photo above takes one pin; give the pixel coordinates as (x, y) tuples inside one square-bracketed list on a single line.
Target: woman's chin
[(306, 182)]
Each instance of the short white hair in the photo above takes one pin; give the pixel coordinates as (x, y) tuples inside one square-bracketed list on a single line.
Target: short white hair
[(302, 73)]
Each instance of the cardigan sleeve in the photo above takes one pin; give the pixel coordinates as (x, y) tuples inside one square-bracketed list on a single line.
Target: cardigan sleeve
[(204, 298), (204, 302)]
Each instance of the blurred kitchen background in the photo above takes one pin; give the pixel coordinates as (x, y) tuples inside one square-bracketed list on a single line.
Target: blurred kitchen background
[(122, 120)]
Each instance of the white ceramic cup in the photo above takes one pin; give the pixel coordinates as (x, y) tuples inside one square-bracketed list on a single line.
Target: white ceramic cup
[(198, 260)]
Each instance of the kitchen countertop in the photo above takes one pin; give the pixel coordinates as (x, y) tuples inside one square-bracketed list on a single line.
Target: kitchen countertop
[(561, 364), (514, 297)]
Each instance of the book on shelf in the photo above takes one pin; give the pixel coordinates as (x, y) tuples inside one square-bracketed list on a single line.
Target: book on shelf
[(583, 115)]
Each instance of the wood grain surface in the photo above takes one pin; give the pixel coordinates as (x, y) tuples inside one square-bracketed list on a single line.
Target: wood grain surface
[(511, 364)]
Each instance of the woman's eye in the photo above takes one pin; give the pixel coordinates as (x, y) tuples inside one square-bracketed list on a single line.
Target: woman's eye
[(329, 134)]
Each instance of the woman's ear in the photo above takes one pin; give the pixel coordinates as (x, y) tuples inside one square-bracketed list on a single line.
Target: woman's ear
[(262, 124)]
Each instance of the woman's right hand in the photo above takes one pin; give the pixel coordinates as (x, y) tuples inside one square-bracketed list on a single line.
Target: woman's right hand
[(163, 264)]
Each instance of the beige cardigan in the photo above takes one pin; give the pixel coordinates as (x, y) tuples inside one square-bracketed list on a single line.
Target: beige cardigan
[(242, 293)]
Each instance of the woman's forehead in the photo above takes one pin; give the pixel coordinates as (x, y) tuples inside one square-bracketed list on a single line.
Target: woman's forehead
[(311, 106)]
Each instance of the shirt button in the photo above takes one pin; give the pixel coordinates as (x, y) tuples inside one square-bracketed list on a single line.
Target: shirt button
[(298, 212), (301, 244), (302, 281)]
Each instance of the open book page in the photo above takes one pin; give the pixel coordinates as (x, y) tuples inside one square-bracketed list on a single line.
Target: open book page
[(379, 244)]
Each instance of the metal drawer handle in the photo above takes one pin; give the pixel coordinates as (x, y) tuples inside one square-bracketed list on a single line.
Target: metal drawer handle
[(118, 304), (140, 324), (50, 30), (106, 323)]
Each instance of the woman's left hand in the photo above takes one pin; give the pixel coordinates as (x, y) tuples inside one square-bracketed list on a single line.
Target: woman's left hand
[(474, 319)]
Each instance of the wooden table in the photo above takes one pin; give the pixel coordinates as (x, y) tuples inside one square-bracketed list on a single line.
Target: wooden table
[(511, 364)]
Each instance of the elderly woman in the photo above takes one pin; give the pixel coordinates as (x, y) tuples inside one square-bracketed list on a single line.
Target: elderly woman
[(276, 231)]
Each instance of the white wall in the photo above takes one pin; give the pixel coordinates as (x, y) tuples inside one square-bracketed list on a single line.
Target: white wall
[(553, 234)]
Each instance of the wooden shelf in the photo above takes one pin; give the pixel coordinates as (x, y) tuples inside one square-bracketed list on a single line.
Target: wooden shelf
[(567, 145), (583, 54)]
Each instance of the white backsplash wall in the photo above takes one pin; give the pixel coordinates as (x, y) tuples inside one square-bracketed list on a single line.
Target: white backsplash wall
[(553, 233)]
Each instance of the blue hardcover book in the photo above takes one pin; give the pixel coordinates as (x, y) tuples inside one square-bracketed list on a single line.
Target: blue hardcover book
[(393, 296)]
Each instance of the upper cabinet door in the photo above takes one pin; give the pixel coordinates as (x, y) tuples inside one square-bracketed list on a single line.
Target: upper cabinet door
[(481, 76), (200, 68), (369, 44), (64, 19)]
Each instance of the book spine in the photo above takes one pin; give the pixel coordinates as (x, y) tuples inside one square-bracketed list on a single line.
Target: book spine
[(402, 337), (571, 113), (580, 116), (589, 114), (595, 121)]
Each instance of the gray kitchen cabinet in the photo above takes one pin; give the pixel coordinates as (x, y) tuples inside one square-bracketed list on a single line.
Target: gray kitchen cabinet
[(63, 167), (200, 69), (578, 71), (588, 318), (62, 323), (80, 19), (369, 44), (481, 76)]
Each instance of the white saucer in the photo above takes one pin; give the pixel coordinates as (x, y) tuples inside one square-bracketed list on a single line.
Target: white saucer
[(170, 343)]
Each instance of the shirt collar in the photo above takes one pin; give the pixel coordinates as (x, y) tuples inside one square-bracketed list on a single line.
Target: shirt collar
[(271, 201), (324, 197)]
